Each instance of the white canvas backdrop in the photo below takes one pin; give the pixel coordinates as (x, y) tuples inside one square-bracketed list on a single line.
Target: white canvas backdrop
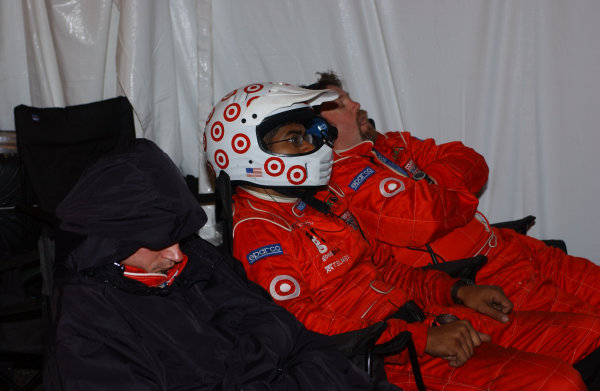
[(516, 80)]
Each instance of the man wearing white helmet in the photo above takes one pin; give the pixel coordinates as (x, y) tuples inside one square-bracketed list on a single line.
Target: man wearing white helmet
[(318, 265), (280, 103)]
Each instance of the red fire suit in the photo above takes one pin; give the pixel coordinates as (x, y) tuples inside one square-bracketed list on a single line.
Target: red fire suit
[(400, 214), (321, 269)]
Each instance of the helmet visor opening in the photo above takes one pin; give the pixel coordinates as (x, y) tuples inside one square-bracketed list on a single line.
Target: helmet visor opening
[(317, 131), (270, 125)]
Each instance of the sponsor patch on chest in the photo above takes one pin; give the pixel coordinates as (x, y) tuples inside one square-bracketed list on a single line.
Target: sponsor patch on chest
[(361, 178), (263, 252), (389, 187)]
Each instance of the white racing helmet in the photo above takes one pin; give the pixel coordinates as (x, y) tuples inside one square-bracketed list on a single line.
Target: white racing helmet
[(233, 136)]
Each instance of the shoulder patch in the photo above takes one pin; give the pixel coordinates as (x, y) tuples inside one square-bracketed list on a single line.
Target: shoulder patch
[(263, 252), (361, 178)]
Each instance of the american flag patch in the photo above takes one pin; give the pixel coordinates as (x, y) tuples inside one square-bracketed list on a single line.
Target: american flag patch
[(254, 172)]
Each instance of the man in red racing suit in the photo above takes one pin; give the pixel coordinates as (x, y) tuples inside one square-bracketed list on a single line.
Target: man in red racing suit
[(418, 219), (322, 270), (416, 202)]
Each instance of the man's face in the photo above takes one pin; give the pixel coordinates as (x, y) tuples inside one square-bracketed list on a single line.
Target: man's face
[(155, 261), (367, 131), (289, 140), (343, 114)]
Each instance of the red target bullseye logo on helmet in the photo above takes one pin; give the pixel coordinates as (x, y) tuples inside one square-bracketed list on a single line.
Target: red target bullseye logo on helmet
[(274, 166), (296, 175), (232, 93), (240, 143), (284, 287), (389, 187), (251, 100), (217, 131), (253, 88), (210, 115), (221, 159), (232, 112)]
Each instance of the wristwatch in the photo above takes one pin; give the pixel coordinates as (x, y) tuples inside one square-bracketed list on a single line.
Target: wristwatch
[(419, 175), (422, 175), (457, 285)]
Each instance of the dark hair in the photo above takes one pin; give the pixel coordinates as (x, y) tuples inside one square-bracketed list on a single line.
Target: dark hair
[(329, 78), (326, 79)]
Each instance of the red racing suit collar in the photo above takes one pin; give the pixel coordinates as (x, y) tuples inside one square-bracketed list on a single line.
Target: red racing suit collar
[(359, 149), (158, 280)]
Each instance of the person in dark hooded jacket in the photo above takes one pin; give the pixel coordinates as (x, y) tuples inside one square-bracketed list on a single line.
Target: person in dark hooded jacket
[(141, 303)]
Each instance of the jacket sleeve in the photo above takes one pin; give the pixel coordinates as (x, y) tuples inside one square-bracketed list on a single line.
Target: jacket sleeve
[(80, 357), (452, 165), (398, 210), (312, 366)]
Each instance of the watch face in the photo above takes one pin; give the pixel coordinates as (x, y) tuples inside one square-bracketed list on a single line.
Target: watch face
[(419, 175)]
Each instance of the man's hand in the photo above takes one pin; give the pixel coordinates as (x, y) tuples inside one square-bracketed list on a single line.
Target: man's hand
[(486, 299), (455, 342)]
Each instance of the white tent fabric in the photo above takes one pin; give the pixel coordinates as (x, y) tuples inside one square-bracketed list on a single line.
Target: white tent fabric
[(516, 80)]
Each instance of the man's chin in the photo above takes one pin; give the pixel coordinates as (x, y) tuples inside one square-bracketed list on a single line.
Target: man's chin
[(369, 134)]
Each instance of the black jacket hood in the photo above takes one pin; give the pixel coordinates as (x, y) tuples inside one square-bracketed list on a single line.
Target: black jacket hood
[(132, 199)]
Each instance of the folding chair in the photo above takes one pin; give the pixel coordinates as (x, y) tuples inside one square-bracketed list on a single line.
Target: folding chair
[(55, 145), (20, 302), (522, 226)]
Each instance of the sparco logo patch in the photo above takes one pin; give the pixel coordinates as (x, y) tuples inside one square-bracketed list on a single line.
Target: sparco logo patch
[(361, 178), (266, 251)]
